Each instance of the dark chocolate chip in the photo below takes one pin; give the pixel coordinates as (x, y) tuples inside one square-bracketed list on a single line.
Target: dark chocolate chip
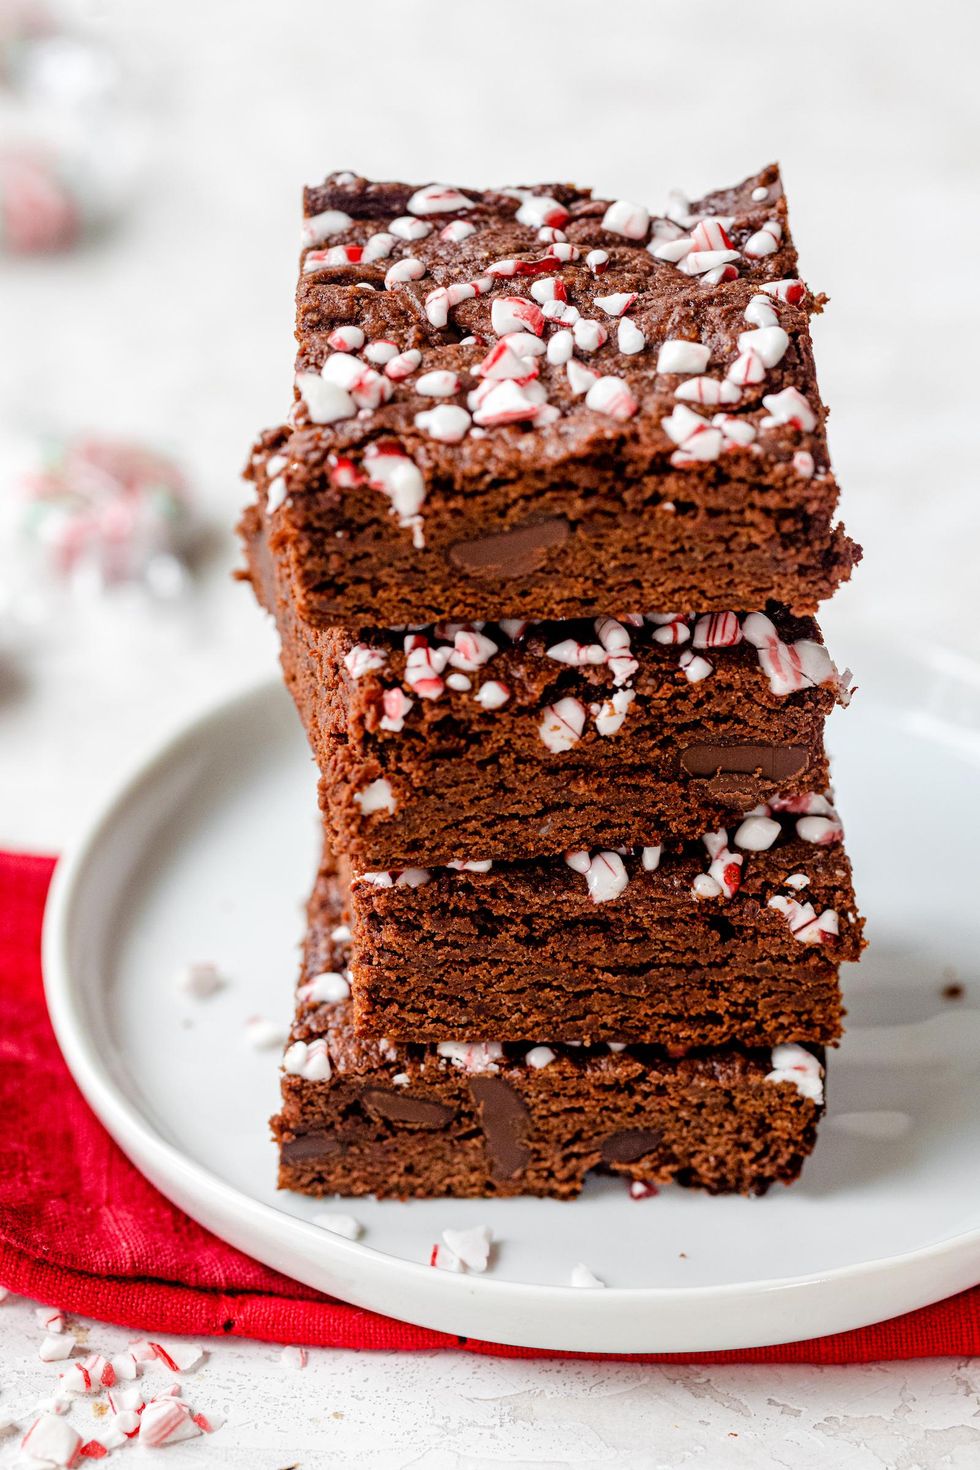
[(503, 1117), (629, 1145), (770, 762), (510, 553), (309, 1146), (406, 1112)]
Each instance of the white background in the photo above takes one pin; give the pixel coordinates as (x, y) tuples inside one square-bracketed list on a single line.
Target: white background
[(176, 327)]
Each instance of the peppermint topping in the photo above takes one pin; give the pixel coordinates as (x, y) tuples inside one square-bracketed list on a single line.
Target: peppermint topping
[(562, 725), (326, 988), (757, 834), (438, 199), (789, 407), (677, 356), (320, 227), (791, 1063), (605, 874), (363, 660), (610, 395), (540, 1056), (492, 695), (805, 924), (582, 1277), (376, 797), (789, 667), (448, 423), (472, 1056), (623, 218), (309, 1060), (539, 209), (765, 241)]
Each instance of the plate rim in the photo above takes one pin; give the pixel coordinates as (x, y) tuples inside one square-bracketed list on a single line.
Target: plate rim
[(645, 1319)]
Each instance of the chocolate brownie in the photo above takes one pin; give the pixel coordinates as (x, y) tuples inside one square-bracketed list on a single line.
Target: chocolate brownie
[(520, 740), (736, 937), (485, 1118), (542, 404)]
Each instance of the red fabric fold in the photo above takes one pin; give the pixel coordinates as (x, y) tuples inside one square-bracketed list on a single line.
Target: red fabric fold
[(81, 1229)]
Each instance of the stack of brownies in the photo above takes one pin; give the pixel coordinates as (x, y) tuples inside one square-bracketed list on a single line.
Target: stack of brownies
[(543, 536)]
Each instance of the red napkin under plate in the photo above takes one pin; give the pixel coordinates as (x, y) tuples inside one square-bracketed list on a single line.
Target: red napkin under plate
[(81, 1229)]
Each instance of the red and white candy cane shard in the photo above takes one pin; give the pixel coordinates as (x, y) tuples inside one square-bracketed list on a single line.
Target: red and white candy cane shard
[(344, 472), (166, 1421), (611, 396), (794, 1064), (618, 303), (516, 314), (597, 261), (578, 860), (549, 235), (562, 725), (403, 365), (737, 432), (768, 343), (549, 288), (757, 833), (589, 335), (629, 339), (378, 247), (492, 695), (789, 290), (679, 356), (765, 241), (448, 423), (471, 1056), (695, 667), (507, 403), (696, 439), (807, 803), (541, 209), (471, 650), (390, 470), (805, 924), (396, 705), (333, 255), (624, 218), (760, 312), (709, 391), (503, 269), (675, 630), (561, 313), (564, 251), (673, 250), (697, 262), (438, 199), (381, 351), (423, 668), (408, 269), (51, 1441), (822, 831), (607, 877), (407, 228), (457, 231), (504, 362), (789, 407), (726, 866), (609, 716), (789, 667), (576, 655), (438, 384), (561, 347), (580, 377), (747, 369), (803, 464), (710, 234), (717, 630), (440, 302), (346, 339), (320, 227), (326, 403), (717, 274)]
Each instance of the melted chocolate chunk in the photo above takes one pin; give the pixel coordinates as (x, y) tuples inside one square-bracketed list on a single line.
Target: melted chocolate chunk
[(406, 1112), (771, 762), (629, 1145), (510, 553), (503, 1117), (310, 1146)]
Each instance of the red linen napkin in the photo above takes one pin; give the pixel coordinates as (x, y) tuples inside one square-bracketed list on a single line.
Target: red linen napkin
[(81, 1229)]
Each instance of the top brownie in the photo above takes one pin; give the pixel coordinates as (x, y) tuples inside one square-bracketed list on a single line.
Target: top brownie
[(534, 403)]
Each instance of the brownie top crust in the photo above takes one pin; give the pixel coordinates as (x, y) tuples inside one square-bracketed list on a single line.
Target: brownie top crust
[(461, 338)]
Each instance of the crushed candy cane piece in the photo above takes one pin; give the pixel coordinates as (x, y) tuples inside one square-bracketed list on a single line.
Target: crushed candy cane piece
[(791, 1063), (344, 1225), (471, 1246), (294, 1357), (582, 1277)]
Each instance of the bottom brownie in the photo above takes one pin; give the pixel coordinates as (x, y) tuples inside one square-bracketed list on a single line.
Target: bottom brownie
[(362, 1116)]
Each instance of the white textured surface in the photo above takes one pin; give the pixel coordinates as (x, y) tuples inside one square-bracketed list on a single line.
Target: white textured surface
[(177, 327), (452, 1411)]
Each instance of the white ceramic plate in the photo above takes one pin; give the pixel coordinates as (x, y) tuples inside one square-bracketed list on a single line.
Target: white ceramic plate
[(206, 854)]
